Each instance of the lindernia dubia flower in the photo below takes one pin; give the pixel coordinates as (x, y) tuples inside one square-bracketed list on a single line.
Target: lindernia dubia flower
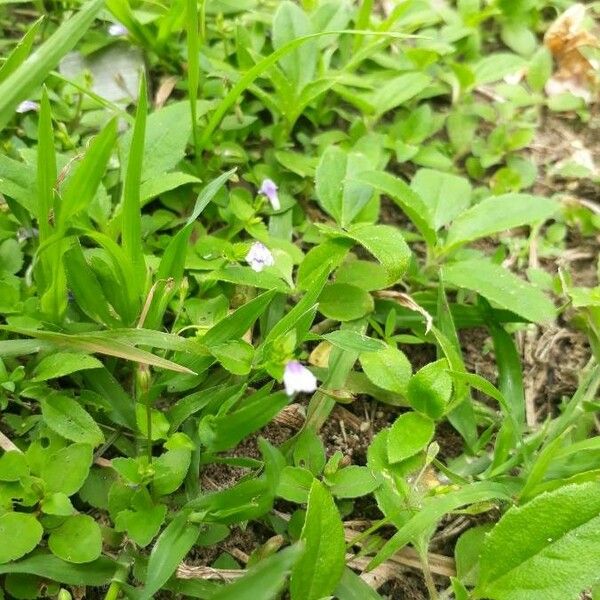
[(259, 257), (297, 378), (27, 106), (117, 30), (269, 188)]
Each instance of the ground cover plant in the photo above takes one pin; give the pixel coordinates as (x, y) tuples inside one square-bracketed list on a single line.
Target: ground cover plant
[(299, 299)]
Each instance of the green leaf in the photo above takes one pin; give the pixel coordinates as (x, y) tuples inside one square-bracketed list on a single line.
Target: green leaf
[(13, 466), (97, 573), (344, 302), (131, 227), (77, 540), (236, 356), (143, 522), (546, 549), (434, 508), (67, 469), (23, 81), (352, 587), (388, 368), (20, 52), (168, 131), (169, 550), (227, 430), (294, 484), (60, 364), (429, 390), (398, 91), (352, 482), (497, 284), (496, 66), (445, 194), (21, 533), (405, 198), (320, 568), (289, 23), (264, 581), (341, 197), (68, 418), (409, 434), (499, 213), (170, 470), (386, 244), (81, 187), (352, 341), (57, 504)]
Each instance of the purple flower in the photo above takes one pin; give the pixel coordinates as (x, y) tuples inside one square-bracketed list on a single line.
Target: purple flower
[(27, 106), (259, 257), (269, 188), (117, 30), (297, 378)]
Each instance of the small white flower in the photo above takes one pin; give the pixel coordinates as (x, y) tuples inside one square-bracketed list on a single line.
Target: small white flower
[(117, 30), (259, 257), (27, 106), (269, 188), (297, 378)]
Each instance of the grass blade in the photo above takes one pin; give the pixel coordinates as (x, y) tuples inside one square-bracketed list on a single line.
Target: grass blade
[(21, 51), (23, 81)]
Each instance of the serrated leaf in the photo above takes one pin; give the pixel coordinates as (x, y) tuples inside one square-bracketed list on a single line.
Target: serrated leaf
[(544, 550), (497, 284), (20, 533), (410, 434)]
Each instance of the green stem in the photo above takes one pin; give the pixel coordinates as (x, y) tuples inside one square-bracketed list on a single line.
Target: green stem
[(113, 591)]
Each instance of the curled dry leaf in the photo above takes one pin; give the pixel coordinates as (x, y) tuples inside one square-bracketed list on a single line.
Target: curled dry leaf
[(566, 39)]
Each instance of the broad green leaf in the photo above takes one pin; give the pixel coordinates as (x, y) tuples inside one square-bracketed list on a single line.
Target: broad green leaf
[(24, 80), (97, 573), (344, 302), (496, 66), (60, 364), (499, 285), (319, 569), (352, 482), (13, 466), (77, 540), (168, 131), (236, 356), (429, 390), (388, 368), (398, 91), (170, 471), (404, 197), (57, 504), (338, 192), (294, 484), (143, 521), (264, 581), (546, 549), (386, 244), (289, 23), (467, 552), (497, 214), (68, 418), (365, 274), (409, 434), (170, 549), (20, 532), (67, 469), (446, 195), (330, 253)]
